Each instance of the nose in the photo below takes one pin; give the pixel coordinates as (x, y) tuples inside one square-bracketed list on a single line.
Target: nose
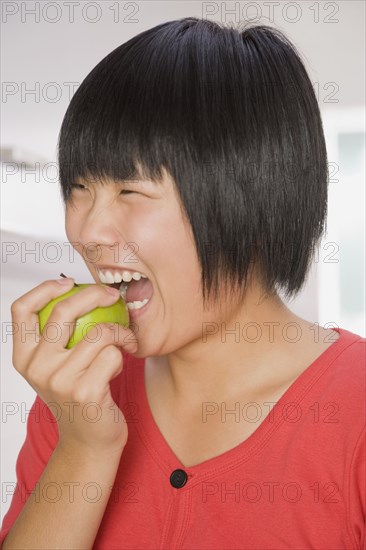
[(99, 228)]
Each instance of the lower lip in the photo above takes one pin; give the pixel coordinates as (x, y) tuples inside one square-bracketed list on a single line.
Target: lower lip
[(135, 313)]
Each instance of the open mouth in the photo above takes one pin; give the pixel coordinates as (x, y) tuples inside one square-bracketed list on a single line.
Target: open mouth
[(136, 294)]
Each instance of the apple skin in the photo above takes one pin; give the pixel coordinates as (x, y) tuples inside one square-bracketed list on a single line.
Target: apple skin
[(116, 313)]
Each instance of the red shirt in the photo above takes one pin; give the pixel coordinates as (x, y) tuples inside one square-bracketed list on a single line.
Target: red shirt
[(298, 482)]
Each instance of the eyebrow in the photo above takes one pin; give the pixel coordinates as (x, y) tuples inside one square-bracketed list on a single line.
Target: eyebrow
[(137, 182)]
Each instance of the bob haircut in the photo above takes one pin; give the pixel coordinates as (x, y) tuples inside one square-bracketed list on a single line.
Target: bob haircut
[(232, 116)]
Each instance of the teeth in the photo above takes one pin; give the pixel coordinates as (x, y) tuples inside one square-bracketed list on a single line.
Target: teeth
[(109, 277), (123, 291), (117, 277), (138, 304), (126, 276)]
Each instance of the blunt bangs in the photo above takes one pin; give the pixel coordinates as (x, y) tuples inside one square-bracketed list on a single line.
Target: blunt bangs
[(231, 115)]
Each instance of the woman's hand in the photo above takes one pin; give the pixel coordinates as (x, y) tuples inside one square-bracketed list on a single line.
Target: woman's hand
[(77, 380)]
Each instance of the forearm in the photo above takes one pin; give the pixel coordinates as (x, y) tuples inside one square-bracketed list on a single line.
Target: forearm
[(61, 512)]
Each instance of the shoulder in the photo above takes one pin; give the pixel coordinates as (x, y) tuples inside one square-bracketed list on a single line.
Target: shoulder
[(347, 366), (341, 384)]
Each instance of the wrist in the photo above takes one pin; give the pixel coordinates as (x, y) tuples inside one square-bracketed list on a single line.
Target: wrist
[(76, 453)]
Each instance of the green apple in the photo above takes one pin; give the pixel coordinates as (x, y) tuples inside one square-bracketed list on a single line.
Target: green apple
[(116, 313)]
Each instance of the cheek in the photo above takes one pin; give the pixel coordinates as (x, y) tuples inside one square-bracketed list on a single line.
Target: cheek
[(151, 231), (164, 241), (167, 247), (72, 223), (69, 224)]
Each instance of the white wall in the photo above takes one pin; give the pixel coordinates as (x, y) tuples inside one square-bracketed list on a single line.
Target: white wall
[(37, 53)]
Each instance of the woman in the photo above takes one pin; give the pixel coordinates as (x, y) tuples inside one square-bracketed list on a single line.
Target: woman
[(193, 158)]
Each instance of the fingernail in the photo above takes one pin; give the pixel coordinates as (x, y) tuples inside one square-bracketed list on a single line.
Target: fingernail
[(64, 281), (111, 290)]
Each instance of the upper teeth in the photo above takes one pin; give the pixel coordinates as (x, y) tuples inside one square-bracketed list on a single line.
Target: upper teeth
[(110, 277)]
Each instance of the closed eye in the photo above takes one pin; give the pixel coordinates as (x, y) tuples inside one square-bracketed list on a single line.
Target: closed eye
[(80, 187)]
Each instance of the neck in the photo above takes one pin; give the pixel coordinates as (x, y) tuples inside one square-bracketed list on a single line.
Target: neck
[(254, 348)]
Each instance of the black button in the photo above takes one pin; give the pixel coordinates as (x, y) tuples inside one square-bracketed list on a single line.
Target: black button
[(178, 478)]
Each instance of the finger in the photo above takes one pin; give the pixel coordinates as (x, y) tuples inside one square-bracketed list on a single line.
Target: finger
[(91, 381), (100, 336), (95, 380), (25, 319), (61, 377)]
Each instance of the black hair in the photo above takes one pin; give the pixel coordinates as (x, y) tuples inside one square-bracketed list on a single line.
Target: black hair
[(231, 114)]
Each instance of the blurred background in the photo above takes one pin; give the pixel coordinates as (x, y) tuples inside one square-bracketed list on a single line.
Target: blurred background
[(48, 48)]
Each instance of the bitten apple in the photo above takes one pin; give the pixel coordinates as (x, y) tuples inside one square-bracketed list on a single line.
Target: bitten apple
[(116, 313)]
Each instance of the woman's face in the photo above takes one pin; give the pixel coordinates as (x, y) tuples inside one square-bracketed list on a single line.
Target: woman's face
[(138, 226)]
